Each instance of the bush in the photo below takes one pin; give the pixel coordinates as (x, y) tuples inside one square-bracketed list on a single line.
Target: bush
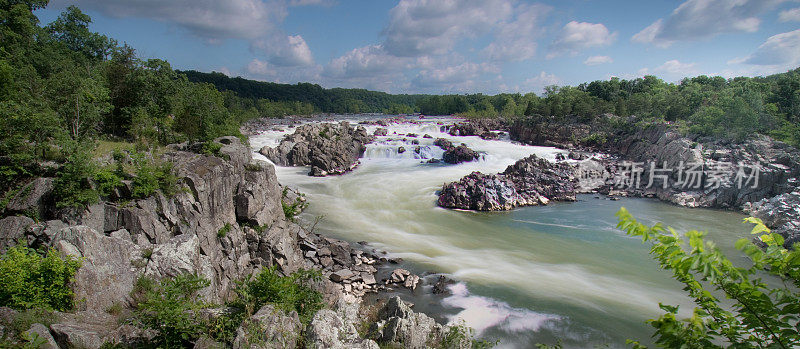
[(288, 293), (152, 176), (459, 335), (763, 314), (72, 187), (29, 280), (168, 307), (107, 181)]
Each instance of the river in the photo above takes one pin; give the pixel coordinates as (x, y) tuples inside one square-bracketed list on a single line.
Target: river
[(540, 274)]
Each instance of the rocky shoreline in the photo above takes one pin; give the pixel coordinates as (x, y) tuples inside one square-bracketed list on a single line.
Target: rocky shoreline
[(227, 223), (760, 176)]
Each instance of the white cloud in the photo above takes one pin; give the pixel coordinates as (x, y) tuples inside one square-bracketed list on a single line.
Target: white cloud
[(426, 27), (577, 36), (452, 75), (539, 82), (288, 51), (702, 19), (365, 61), (781, 51), (208, 19), (311, 3), (264, 70), (515, 40), (597, 60), (675, 67), (792, 15)]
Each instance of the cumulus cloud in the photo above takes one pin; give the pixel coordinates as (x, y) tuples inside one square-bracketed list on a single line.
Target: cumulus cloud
[(577, 36), (365, 61), (539, 82), (425, 27), (792, 15), (452, 74), (208, 19), (781, 51), (515, 40), (287, 51), (676, 67), (597, 60), (702, 19)]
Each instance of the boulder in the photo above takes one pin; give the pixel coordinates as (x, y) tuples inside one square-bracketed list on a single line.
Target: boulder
[(459, 154), (269, 328), (108, 270), (380, 131), (42, 335), (336, 329), (328, 148), (398, 324), (530, 181), (12, 230), (34, 198)]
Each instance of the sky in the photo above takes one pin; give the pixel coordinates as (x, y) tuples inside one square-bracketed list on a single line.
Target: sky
[(454, 46)]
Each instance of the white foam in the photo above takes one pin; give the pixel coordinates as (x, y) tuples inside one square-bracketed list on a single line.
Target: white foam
[(482, 313)]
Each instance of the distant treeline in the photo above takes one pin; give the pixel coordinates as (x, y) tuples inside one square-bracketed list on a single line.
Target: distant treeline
[(335, 100)]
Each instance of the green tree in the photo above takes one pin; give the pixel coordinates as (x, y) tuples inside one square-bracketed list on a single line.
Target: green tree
[(765, 297)]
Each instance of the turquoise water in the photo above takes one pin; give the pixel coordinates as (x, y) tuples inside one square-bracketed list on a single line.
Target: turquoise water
[(535, 274)]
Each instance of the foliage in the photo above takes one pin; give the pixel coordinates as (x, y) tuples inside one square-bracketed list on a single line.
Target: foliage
[(224, 230), (168, 307), (290, 210), (150, 176), (288, 293), (763, 314), (30, 280), (72, 186)]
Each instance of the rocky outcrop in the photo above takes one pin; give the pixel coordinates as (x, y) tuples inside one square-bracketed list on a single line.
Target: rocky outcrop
[(530, 181), (269, 328), (478, 127), (328, 148), (459, 154), (398, 324), (33, 199), (782, 213), (336, 329), (12, 230)]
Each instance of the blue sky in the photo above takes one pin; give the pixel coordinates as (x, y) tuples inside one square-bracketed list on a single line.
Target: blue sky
[(455, 46)]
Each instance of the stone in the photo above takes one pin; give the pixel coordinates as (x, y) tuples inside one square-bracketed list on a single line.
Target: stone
[(341, 275), (459, 154), (335, 328), (399, 324), (107, 273), (12, 229), (269, 328), (33, 198), (43, 334)]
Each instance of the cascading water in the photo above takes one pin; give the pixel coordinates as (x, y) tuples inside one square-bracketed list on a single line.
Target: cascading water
[(535, 274)]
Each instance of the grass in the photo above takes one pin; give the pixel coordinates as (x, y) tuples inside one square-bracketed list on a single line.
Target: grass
[(105, 147)]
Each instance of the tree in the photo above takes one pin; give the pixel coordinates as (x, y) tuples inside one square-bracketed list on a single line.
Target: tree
[(72, 29), (764, 313)]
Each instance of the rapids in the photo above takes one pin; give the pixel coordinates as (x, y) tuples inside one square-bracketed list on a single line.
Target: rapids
[(532, 275)]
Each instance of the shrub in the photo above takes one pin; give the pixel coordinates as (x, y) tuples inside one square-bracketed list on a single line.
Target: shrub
[(71, 187), (764, 313), (288, 293), (107, 181), (152, 176), (211, 148), (29, 280), (459, 335), (224, 230), (168, 307)]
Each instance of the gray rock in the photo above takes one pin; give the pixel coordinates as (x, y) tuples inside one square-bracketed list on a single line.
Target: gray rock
[(12, 229), (336, 328), (107, 275), (42, 335), (74, 335), (33, 198), (269, 328), (341, 275), (400, 325)]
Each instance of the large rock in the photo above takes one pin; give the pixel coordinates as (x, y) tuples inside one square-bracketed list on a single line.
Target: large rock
[(39, 333), (258, 197), (34, 198), (336, 329), (269, 328), (327, 148), (400, 325), (782, 213), (459, 154), (530, 181), (108, 269), (12, 230)]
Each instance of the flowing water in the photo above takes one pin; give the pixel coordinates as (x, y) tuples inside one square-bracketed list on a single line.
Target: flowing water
[(532, 275)]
